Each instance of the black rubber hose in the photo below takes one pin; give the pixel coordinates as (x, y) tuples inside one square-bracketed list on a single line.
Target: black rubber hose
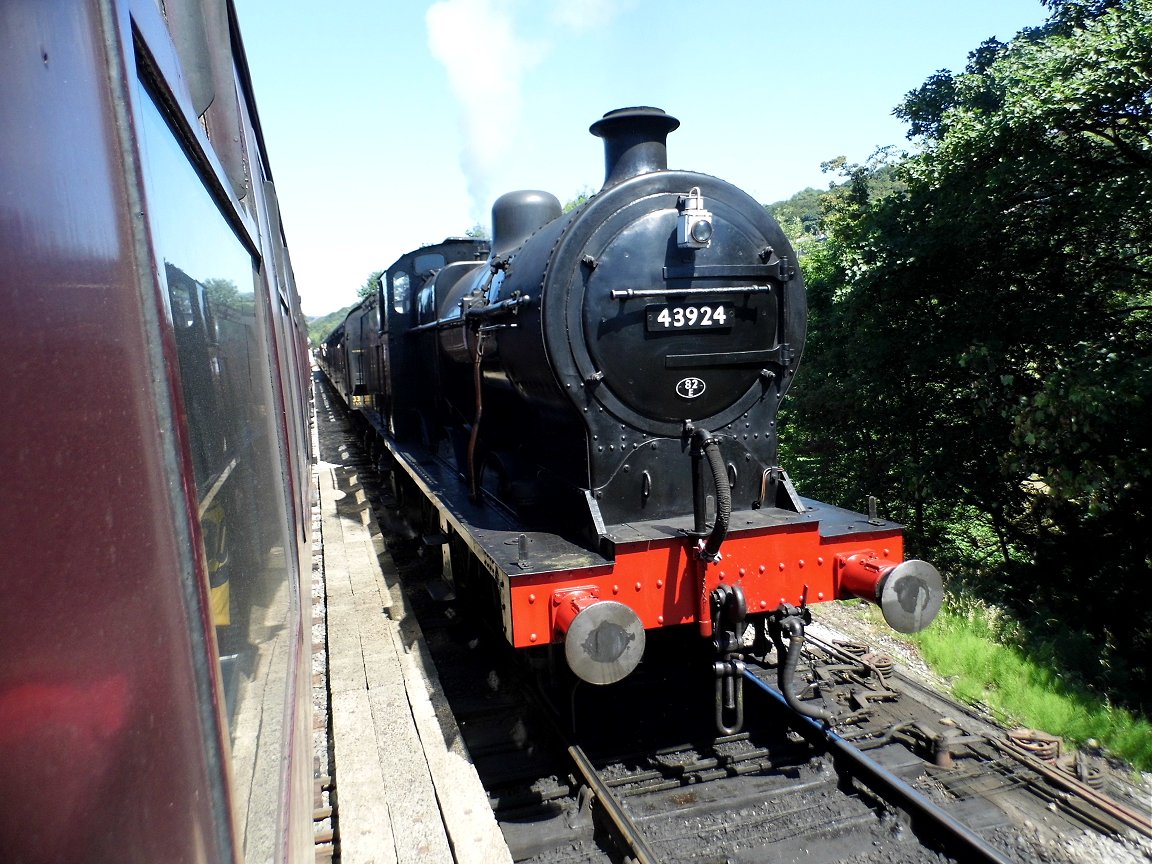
[(710, 446), (786, 673)]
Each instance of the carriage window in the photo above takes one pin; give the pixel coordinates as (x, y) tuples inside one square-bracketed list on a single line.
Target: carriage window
[(400, 292), (218, 320)]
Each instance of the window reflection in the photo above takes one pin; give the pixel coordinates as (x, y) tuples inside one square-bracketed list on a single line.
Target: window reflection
[(217, 320)]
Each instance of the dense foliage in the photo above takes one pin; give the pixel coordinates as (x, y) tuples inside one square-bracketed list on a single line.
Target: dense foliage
[(371, 284), (980, 344), (319, 328)]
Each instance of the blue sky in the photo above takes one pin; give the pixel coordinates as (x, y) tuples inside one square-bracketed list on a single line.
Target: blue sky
[(394, 123)]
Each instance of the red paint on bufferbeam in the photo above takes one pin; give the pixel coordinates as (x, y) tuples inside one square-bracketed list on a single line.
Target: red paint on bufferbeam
[(660, 580)]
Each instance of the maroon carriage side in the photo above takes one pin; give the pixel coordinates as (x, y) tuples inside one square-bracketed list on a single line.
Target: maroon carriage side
[(153, 448)]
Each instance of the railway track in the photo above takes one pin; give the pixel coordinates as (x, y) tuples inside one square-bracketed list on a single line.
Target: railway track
[(881, 707), (620, 789), (762, 796), (765, 794), (634, 773)]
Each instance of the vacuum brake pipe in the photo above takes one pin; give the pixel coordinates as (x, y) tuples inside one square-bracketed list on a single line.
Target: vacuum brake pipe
[(786, 671), (711, 447), (969, 846)]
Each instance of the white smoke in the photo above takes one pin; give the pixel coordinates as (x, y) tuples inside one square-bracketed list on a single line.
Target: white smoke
[(487, 56), (583, 15), (486, 62)]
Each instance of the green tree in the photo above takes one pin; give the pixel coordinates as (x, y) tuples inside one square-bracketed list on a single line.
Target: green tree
[(981, 338), (579, 201), (800, 217), (319, 328), (371, 284)]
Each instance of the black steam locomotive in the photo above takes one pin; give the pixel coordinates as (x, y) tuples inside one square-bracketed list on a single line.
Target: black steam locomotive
[(583, 413)]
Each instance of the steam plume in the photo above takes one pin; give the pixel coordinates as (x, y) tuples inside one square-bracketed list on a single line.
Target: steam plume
[(487, 56)]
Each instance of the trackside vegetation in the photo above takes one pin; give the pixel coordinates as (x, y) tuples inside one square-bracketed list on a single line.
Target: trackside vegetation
[(320, 327), (979, 357), (1025, 680), (992, 662)]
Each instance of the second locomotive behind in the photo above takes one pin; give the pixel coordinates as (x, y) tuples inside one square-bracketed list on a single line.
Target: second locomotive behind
[(585, 410)]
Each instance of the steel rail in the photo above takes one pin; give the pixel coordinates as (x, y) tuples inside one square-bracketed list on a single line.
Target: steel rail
[(1112, 808), (969, 845), (1116, 810), (612, 806), (1107, 805)]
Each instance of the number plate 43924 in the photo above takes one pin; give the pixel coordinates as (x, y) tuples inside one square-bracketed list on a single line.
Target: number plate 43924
[(662, 317)]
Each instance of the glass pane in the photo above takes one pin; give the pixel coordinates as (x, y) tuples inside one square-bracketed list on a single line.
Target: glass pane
[(400, 292), (218, 321)]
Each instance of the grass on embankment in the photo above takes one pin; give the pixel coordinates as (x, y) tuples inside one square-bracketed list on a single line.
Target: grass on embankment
[(962, 646)]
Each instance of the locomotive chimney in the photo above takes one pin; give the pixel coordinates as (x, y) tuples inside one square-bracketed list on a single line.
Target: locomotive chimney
[(635, 142)]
